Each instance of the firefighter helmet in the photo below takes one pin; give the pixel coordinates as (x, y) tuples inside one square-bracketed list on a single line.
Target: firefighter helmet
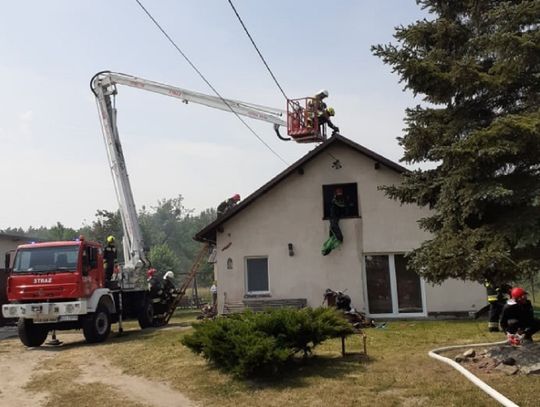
[(323, 93), (330, 111), (236, 197), (168, 274), (110, 239), (150, 273), (517, 293)]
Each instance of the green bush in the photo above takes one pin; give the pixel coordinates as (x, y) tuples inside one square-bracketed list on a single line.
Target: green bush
[(261, 343)]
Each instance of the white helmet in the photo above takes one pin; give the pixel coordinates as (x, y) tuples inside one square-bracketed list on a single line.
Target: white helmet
[(168, 274), (323, 93)]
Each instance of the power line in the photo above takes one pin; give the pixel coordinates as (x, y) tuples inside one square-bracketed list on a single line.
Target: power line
[(259, 52), (207, 82)]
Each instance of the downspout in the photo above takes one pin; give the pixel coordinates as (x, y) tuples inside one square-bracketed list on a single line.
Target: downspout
[(475, 380)]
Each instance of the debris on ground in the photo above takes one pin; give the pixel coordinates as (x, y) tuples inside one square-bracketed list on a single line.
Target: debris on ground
[(506, 359)]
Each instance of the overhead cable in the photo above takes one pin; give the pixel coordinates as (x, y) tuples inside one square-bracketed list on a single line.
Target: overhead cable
[(259, 52), (207, 82)]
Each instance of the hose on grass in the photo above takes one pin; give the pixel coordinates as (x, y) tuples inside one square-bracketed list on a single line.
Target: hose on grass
[(475, 380)]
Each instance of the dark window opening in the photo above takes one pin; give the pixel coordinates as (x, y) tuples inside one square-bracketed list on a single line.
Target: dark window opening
[(350, 195), (257, 274)]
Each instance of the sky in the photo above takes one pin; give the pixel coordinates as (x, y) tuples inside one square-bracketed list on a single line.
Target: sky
[(53, 165)]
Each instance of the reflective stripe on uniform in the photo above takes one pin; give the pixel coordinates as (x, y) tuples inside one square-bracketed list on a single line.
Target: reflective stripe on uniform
[(493, 324), (492, 298)]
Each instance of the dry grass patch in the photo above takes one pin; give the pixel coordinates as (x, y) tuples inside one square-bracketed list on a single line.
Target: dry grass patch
[(396, 372)]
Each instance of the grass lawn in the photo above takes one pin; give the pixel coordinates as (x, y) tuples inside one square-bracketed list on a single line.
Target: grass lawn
[(396, 372)]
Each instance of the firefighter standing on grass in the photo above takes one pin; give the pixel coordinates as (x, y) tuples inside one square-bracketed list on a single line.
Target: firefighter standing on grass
[(496, 296)]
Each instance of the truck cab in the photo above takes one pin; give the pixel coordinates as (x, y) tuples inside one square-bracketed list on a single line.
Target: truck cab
[(56, 271), (59, 286)]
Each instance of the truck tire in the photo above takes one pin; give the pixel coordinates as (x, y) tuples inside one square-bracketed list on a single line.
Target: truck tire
[(30, 334), (146, 315), (97, 326)]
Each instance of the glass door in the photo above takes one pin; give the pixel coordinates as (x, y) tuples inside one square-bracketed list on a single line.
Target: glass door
[(392, 290)]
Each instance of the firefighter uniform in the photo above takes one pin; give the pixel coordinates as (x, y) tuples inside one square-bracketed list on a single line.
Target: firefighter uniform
[(496, 296), (109, 257)]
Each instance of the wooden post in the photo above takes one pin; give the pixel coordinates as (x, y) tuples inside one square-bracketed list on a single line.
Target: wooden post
[(343, 346)]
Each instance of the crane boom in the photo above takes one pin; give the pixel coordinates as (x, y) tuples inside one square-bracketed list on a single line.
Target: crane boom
[(103, 85)]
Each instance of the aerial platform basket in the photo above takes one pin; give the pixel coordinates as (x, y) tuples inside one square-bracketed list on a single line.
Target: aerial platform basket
[(303, 122)]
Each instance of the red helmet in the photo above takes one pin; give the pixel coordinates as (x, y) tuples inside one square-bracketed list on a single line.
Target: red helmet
[(150, 273), (517, 293), (236, 197)]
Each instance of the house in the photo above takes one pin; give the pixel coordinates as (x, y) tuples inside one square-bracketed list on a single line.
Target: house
[(269, 246)]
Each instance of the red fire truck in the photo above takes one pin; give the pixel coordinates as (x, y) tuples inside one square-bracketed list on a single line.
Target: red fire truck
[(60, 286)]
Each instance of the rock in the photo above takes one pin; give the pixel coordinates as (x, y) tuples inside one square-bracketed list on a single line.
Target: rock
[(470, 353), (458, 359), (507, 370), (533, 369), (509, 361)]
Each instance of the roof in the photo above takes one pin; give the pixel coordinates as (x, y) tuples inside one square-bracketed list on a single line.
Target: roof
[(208, 233), (15, 237)]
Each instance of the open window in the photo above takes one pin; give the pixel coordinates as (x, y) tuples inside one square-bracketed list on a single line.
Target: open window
[(350, 194)]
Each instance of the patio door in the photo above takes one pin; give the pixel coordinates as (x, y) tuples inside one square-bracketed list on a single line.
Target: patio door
[(392, 290)]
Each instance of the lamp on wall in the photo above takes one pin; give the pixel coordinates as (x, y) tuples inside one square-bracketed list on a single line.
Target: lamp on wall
[(291, 249)]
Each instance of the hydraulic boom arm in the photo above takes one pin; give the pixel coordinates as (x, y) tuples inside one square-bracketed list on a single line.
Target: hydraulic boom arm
[(103, 85)]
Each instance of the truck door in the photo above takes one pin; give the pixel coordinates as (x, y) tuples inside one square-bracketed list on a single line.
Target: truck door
[(90, 270)]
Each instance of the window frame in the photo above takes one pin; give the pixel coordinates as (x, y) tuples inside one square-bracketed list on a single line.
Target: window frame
[(327, 195), (393, 289), (246, 274)]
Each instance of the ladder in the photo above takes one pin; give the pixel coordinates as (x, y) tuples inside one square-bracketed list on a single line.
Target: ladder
[(203, 252)]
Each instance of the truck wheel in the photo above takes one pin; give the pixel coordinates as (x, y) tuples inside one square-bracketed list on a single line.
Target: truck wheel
[(97, 326), (146, 315), (30, 334)]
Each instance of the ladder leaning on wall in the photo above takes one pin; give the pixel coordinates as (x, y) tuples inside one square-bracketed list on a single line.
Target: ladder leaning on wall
[(201, 255)]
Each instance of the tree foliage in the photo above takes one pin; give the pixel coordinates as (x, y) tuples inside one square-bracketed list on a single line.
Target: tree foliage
[(477, 66)]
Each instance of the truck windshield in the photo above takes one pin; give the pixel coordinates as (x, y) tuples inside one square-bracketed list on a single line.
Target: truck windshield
[(46, 259)]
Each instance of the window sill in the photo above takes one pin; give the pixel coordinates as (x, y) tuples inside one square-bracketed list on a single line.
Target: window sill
[(258, 295)]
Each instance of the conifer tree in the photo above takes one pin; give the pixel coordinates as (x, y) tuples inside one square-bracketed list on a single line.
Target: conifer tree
[(476, 63)]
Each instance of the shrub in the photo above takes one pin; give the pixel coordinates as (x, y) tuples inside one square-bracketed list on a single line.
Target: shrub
[(261, 343)]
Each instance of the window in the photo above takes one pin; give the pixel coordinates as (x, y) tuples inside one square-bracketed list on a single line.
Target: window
[(350, 194), (257, 275), (391, 288)]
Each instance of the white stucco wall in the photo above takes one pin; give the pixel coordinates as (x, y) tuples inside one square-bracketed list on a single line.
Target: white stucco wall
[(292, 212)]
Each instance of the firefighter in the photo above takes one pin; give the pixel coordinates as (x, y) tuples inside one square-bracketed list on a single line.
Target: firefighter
[(496, 296), (518, 315), (154, 285), (324, 118), (318, 106), (169, 287), (227, 205), (337, 209), (109, 258)]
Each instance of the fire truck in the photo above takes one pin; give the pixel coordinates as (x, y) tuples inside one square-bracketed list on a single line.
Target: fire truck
[(61, 285)]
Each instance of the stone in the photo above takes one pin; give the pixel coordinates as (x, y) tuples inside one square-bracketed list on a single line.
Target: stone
[(533, 369), (458, 359), (470, 353), (507, 370)]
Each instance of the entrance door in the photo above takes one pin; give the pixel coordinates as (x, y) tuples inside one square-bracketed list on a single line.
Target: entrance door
[(392, 290)]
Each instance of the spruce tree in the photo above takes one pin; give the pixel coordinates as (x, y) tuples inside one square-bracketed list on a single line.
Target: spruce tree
[(476, 64)]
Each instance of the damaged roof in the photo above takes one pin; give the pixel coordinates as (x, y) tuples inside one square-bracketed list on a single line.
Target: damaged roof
[(208, 233)]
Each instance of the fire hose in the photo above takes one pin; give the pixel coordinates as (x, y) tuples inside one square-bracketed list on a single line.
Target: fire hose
[(475, 380)]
